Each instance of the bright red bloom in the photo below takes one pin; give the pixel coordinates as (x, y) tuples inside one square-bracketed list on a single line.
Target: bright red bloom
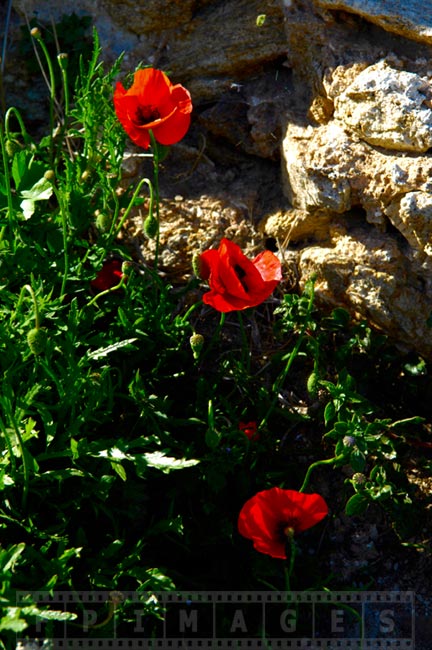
[(109, 275), (249, 429), (267, 517), (153, 102), (235, 281)]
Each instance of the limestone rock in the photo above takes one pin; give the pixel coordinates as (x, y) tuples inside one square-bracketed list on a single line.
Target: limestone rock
[(388, 108), (411, 19), (206, 44), (412, 216), (366, 272)]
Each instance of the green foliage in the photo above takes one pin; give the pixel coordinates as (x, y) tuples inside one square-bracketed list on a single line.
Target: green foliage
[(122, 465)]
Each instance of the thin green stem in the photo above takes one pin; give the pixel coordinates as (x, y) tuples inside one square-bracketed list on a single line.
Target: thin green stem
[(156, 191), (106, 291), (13, 111), (144, 181), (289, 567), (214, 337), (62, 59), (7, 183), (245, 346), (190, 310), (318, 463), (51, 85), (281, 379), (64, 219), (29, 288)]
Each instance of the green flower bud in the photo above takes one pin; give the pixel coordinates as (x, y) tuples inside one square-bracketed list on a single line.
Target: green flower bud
[(196, 264), (312, 384), (196, 342), (11, 147), (358, 478), (151, 227), (62, 59), (103, 222), (49, 175), (126, 268), (37, 340), (35, 32)]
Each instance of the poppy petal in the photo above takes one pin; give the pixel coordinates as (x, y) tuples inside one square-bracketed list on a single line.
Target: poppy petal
[(264, 517), (153, 103)]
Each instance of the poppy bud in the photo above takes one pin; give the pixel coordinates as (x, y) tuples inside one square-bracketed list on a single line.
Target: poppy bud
[(35, 32), (196, 264), (151, 227), (11, 147), (312, 384), (103, 222), (37, 339), (126, 268), (196, 342), (62, 59), (49, 175)]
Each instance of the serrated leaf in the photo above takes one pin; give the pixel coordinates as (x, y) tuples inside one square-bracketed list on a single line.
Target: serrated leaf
[(166, 464), (104, 352)]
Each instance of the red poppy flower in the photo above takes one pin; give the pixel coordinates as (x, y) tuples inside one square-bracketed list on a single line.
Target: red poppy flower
[(235, 281), (153, 102), (249, 429), (109, 275), (271, 515)]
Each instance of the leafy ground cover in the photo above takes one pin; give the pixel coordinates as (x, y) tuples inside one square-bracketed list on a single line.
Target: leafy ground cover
[(138, 419)]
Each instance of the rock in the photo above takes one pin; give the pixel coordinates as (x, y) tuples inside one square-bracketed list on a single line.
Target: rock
[(410, 19), (366, 272), (205, 44), (388, 108)]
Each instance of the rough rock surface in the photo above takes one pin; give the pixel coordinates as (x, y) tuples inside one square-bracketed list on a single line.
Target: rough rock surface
[(411, 19), (389, 108), (340, 91)]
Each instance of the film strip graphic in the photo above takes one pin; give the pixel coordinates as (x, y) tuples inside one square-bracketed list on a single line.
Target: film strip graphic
[(315, 620)]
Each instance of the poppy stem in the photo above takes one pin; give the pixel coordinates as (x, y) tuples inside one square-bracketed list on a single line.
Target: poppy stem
[(245, 347), (51, 82), (289, 567), (106, 291), (294, 352), (125, 215), (215, 336), (318, 463), (10, 212), (156, 191)]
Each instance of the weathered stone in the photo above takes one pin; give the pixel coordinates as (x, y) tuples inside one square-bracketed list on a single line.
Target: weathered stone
[(412, 216), (388, 108), (208, 44), (366, 272), (296, 225), (411, 19)]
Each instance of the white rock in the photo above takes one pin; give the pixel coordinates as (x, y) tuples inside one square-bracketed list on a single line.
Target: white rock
[(388, 108)]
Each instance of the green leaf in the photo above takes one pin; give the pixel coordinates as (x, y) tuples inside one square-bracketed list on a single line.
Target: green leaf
[(40, 191), (329, 412), (356, 505), (357, 460), (104, 352)]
